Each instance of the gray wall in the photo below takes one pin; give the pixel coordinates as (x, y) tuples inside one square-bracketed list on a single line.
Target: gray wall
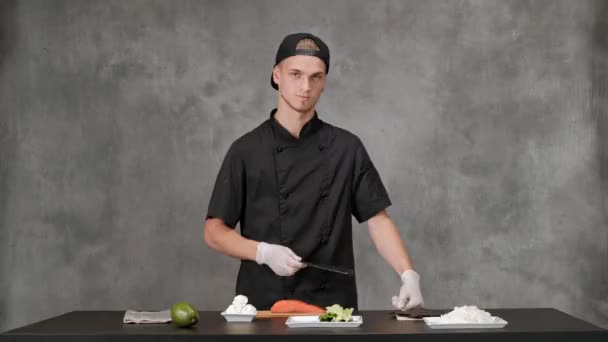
[(486, 119)]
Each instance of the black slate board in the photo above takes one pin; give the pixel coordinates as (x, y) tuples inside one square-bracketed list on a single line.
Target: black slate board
[(96, 326)]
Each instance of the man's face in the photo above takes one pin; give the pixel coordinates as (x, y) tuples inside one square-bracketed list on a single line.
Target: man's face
[(301, 80)]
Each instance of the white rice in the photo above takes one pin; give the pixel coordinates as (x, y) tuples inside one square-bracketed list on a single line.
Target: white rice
[(467, 314), (239, 306)]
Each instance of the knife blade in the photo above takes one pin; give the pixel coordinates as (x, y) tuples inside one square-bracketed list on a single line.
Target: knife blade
[(345, 271), (419, 313)]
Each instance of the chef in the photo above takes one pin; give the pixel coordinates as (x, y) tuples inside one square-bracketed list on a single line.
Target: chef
[(293, 183)]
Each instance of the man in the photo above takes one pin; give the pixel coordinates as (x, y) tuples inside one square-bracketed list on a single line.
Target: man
[(293, 183)]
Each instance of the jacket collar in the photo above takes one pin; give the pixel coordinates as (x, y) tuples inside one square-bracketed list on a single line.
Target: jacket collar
[(283, 136)]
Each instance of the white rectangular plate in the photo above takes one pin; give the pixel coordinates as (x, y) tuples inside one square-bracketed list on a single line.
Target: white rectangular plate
[(313, 322), (238, 317), (403, 318), (434, 323)]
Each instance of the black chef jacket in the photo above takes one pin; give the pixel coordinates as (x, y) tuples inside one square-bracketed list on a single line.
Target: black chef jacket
[(299, 193)]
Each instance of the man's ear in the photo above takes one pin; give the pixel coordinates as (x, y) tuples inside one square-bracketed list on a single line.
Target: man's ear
[(275, 74)]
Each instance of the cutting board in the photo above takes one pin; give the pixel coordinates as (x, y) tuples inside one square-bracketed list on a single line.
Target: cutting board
[(269, 314)]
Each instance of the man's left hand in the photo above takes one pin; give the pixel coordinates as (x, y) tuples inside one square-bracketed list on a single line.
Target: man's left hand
[(409, 295)]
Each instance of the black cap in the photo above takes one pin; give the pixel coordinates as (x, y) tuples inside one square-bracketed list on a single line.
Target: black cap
[(288, 49)]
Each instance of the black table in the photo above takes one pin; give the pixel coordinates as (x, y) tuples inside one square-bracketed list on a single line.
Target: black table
[(378, 326)]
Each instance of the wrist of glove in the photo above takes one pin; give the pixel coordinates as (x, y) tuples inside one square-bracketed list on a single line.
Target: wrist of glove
[(409, 294), (282, 260)]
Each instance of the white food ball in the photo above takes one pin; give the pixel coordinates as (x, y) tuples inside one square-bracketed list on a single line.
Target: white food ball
[(232, 309), (240, 300), (249, 309)]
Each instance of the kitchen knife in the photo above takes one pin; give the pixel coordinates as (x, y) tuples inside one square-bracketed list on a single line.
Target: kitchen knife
[(345, 271), (419, 313)]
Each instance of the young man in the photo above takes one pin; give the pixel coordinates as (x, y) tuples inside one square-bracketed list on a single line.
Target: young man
[(293, 183)]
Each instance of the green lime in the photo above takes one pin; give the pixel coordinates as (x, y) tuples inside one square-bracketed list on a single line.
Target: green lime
[(184, 314)]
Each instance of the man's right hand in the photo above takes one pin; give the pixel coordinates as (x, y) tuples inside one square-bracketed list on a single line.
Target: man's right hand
[(282, 260)]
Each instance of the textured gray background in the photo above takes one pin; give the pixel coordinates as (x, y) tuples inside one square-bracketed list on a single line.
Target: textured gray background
[(486, 119)]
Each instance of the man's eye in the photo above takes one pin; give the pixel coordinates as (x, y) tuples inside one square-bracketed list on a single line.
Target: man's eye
[(295, 74), (317, 77)]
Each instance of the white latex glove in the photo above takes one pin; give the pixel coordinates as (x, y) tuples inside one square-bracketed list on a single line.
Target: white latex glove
[(282, 260), (409, 294)]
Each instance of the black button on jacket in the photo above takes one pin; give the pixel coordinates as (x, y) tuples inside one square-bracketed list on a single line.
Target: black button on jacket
[(299, 193)]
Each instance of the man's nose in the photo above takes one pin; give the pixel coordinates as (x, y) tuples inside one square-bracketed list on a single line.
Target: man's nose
[(306, 84)]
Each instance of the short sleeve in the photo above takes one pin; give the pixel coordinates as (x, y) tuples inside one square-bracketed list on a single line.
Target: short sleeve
[(369, 196), (228, 193)]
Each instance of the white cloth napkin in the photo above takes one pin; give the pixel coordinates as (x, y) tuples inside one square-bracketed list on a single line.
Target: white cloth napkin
[(132, 316)]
